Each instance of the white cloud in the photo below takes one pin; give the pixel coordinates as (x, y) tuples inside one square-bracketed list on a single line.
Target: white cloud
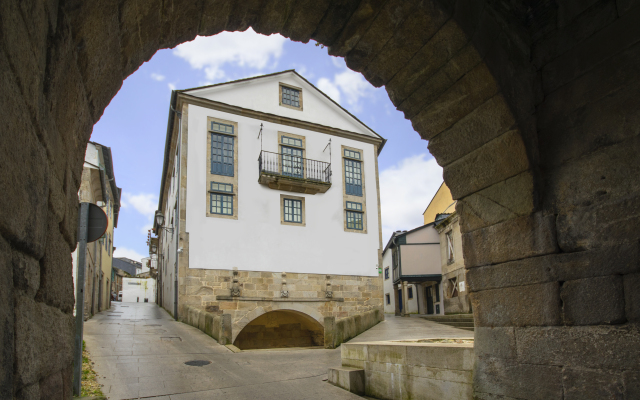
[(329, 88), (346, 84), (244, 49), (405, 191), (145, 229), (157, 77), (144, 203), (128, 253)]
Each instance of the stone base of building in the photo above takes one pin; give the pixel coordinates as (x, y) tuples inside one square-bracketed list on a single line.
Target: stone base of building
[(276, 309)]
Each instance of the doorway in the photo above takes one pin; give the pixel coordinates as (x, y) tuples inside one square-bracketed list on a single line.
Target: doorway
[(400, 299), (429, 300)]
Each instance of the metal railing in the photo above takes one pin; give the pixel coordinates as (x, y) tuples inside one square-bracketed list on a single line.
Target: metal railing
[(288, 165)]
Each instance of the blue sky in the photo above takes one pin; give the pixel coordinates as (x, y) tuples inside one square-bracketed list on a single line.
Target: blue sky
[(135, 122)]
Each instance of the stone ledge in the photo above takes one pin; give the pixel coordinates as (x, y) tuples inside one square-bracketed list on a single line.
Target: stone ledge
[(280, 299)]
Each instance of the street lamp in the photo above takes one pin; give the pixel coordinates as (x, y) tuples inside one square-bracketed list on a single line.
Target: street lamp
[(154, 249), (160, 222)]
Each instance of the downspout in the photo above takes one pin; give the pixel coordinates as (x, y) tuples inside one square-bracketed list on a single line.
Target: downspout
[(177, 228)]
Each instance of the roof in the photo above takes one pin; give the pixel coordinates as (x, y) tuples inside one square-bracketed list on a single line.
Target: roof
[(126, 265), (403, 233), (110, 179), (293, 71), (173, 112)]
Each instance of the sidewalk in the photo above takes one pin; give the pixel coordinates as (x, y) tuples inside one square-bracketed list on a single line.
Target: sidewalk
[(410, 328)]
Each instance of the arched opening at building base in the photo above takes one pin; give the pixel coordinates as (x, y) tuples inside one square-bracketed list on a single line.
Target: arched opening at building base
[(280, 329)]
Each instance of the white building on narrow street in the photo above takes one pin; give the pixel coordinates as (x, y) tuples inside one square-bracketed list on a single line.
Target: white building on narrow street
[(270, 209)]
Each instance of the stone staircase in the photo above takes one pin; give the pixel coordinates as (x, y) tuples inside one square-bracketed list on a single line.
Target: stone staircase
[(461, 321)]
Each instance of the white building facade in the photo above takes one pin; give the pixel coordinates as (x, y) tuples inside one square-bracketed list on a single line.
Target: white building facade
[(270, 200)]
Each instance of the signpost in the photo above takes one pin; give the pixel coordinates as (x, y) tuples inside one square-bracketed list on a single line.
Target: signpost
[(92, 224)]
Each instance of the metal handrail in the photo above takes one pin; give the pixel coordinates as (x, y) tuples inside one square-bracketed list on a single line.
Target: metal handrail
[(291, 166)]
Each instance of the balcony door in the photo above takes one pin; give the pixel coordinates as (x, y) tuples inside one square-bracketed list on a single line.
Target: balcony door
[(292, 162)]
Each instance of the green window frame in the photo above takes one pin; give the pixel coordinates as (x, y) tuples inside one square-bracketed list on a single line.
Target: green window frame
[(353, 177), (352, 154), (219, 201), (290, 97), (292, 211), (288, 141), (222, 149), (354, 220)]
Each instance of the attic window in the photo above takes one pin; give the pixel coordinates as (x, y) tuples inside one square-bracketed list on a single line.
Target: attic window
[(291, 97)]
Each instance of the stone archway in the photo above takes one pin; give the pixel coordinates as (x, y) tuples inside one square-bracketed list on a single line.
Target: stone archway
[(280, 328), (530, 107)]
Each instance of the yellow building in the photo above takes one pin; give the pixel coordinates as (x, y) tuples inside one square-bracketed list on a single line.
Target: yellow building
[(442, 203)]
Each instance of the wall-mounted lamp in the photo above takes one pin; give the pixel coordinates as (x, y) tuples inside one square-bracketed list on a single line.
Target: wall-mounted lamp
[(160, 222), (154, 249)]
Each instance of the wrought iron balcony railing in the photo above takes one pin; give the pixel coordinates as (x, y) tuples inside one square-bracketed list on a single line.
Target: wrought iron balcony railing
[(294, 173)]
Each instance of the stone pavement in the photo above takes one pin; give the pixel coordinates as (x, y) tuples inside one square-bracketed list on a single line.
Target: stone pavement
[(410, 328), (139, 351)]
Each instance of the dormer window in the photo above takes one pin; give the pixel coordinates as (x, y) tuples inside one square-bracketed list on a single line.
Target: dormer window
[(291, 96)]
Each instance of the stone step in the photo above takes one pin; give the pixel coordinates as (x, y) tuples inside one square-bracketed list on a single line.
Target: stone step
[(351, 379), (460, 324), (449, 318)]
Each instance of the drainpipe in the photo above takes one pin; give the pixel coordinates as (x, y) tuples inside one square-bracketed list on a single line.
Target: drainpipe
[(177, 228)]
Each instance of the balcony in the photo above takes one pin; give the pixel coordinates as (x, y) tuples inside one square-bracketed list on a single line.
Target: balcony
[(293, 174)]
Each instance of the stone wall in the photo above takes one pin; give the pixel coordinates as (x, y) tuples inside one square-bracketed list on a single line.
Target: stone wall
[(216, 325), (261, 292), (411, 370), (338, 331), (530, 107)]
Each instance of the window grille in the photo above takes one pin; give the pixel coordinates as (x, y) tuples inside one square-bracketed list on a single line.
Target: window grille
[(291, 141), (354, 220), (290, 97), (222, 154), (353, 177), (293, 211), (221, 204)]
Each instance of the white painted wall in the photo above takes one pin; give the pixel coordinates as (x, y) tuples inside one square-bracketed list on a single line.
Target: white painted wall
[(136, 290), (168, 256), (257, 241), (263, 95), (388, 283)]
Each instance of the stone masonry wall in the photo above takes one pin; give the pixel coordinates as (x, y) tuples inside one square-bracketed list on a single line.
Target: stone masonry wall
[(530, 107), (352, 295)]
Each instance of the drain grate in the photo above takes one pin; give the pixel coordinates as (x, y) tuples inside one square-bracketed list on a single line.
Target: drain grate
[(153, 325), (198, 363), (171, 339)]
